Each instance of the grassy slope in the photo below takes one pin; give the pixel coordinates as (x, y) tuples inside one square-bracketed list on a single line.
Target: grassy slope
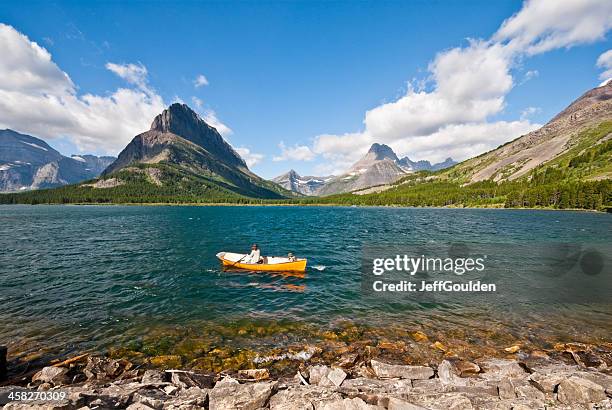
[(178, 186), (580, 178)]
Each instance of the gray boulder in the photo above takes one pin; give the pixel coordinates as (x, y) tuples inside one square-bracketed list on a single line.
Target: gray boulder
[(395, 371), (230, 395), (53, 375), (302, 398), (574, 390), (349, 404)]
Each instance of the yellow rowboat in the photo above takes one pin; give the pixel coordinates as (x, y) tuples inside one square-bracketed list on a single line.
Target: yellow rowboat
[(269, 264)]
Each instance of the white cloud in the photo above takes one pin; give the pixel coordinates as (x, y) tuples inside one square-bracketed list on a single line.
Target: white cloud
[(544, 25), (29, 68), (529, 75), (211, 119), (200, 81), (251, 158), (529, 111), (135, 74), (605, 61), (295, 153), (475, 138), (341, 151), (470, 85), (38, 98), (197, 102)]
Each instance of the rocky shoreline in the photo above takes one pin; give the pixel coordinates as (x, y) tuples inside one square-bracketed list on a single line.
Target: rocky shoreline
[(533, 381)]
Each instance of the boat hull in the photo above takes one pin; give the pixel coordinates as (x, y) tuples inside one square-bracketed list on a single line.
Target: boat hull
[(298, 265)]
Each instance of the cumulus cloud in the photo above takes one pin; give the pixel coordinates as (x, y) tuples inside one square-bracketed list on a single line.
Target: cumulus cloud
[(475, 138), (38, 98), (470, 84), (200, 81), (251, 158), (544, 25), (295, 153), (605, 61)]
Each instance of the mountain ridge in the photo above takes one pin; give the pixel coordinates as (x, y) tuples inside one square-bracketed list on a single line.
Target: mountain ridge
[(305, 185), (519, 157), (379, 166), (569, 166), (28, 163)]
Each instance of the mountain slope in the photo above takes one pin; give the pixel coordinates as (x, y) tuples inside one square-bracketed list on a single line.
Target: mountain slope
[(377, 167), (95, 164), (28, 162), (565, 131), (180, 143)]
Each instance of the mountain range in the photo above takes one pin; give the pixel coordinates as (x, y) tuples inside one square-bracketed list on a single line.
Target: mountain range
[(305, 185), (379, 166), (28, 163), (566, 163)]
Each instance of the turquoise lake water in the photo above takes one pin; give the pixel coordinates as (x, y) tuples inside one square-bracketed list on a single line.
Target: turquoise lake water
[(89, 277)]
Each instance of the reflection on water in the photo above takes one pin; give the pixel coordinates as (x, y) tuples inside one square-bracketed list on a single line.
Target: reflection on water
[(279, 281), (145, 280)]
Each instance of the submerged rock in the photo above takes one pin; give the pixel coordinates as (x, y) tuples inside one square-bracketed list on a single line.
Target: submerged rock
[(254, 374), (167, 361)]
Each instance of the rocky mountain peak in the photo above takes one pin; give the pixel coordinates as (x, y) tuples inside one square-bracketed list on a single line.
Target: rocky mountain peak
[(381, 151), (176, 119), (179, 119)]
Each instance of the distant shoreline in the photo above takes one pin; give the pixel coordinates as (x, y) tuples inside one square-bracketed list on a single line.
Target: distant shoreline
[(222, 204)]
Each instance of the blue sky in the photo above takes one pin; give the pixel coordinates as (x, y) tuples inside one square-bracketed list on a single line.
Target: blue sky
[(293, 71)]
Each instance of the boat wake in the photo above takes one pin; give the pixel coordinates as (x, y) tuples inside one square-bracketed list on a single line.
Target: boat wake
[(320, 268)]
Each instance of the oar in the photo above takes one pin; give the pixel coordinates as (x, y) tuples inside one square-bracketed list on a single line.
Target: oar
[(238, 261)]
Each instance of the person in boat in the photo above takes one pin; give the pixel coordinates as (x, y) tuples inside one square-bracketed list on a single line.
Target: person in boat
[(291, 257), (255, 255)]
